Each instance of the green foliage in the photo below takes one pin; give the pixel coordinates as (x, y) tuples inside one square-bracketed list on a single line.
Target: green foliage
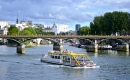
[(85, 30), (39, 30), (48, 33), (13, 30), (28, 31), (111, 22)]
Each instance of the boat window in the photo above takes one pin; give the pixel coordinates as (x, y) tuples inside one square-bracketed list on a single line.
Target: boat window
[(58, 57), (52, 56), (68, 59), (55, 57), (64, 57)]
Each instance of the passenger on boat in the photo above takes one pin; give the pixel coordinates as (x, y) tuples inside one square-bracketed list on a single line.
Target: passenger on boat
[(66, 50)]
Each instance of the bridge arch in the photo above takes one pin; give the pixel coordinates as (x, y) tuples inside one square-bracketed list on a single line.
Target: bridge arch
[(14, 41), (18, 42), (87, 41), (92, 42), (120, 41)]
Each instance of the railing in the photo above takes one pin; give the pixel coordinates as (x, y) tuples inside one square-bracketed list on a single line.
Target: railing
[(62, 36)]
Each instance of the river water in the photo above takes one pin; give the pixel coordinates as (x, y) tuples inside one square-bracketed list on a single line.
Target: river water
[(111, 65)]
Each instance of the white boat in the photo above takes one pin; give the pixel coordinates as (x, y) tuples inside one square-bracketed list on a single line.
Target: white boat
[(106, 47), (67, 58)]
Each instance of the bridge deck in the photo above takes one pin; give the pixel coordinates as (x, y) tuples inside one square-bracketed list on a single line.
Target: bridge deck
[(62, 36)]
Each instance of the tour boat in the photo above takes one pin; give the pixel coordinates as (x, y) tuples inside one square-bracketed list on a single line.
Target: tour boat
[(67, 58)]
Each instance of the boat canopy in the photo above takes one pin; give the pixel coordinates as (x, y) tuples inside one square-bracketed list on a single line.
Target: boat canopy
[(69, 53)]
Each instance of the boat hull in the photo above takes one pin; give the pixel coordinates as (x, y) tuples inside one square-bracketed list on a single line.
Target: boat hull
[(51, 62)]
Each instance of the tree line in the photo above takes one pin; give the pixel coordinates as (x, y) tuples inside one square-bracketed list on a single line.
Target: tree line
[(13, 30), (108, 24)]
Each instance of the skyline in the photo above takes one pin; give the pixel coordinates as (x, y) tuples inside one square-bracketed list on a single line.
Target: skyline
[(68, 12)]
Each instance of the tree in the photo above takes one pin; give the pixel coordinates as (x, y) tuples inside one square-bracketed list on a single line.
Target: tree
[(85, 30), (111, 22), (39, 30), (48, 33), (28, 31), (13, 30)]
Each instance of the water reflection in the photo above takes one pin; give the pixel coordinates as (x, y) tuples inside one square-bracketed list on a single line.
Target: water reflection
[(123, 53), (96, 54), (127, 53), (109, 52), (77, 74)]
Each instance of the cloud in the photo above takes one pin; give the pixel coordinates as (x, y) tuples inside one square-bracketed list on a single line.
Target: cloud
[(61, 11)]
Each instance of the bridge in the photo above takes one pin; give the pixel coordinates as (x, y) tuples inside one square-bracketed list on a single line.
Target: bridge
[(64, 36), (123, 41)]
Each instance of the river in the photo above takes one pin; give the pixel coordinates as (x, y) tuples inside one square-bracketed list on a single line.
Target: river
[(112, 65)]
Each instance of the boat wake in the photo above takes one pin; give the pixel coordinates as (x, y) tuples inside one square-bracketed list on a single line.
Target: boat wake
[(86, 67), (60, 66), (57, 66)]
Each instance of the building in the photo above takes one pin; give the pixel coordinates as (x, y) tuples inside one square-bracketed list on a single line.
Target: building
[(4, 27), (20, 26), (54, 29), (24, 24), (61, 28), (71, 32), (3, 24), (29, 23), (38, 25), (77, 27), (48, 29)]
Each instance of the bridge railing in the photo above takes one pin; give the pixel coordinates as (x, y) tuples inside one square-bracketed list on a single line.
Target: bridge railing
[(62, 36)]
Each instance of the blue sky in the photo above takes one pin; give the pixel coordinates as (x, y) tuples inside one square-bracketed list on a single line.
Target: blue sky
[(69, 12)]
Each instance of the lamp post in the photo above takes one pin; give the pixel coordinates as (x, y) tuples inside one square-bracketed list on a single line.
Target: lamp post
[(118, 32)]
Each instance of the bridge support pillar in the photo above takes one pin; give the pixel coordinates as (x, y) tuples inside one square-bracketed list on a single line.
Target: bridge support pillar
[(21, 49), (57, 46), (4, 40), (38, 40), (124, 47), (92, 48)]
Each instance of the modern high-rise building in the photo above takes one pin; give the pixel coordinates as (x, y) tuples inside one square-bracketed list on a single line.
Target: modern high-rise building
[(77, 27)]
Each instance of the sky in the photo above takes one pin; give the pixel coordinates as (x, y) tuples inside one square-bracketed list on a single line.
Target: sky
[(68, 12)]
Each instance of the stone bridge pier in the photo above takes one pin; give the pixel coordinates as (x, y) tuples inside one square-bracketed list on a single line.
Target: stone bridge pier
[(92, 48), (57, 46), (21, 48), (117, 44), (123, 47)]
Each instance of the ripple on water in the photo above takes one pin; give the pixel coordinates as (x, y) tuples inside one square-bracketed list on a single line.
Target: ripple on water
[(3, 61)]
